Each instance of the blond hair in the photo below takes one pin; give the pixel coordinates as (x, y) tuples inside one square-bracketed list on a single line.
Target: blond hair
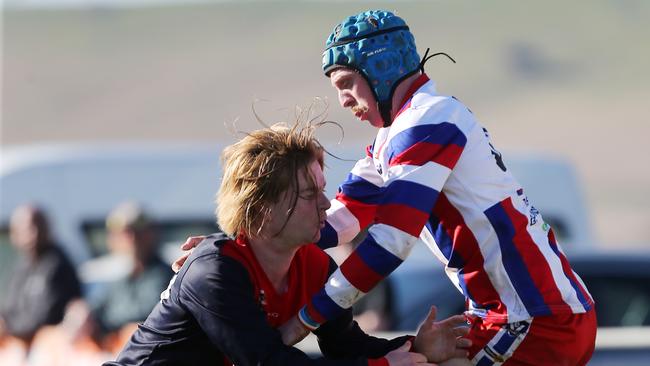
[(258, 170)]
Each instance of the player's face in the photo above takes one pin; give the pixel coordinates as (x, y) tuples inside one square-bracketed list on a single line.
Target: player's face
[(355, 93), (307, 217)]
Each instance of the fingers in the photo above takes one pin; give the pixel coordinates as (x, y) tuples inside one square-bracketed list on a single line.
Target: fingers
[(454, 321), (432, 314), (463, 343), (461, 331), (188, 246), (192, 242), (178, 263)]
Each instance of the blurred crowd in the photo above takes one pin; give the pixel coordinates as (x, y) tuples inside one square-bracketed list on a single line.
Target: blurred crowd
[(46, 317)]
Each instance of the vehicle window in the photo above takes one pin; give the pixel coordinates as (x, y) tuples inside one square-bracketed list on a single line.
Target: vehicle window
[(169, 233), (620, 301)]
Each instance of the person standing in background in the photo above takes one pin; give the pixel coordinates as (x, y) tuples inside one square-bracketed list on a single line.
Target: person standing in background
[(44, 281), (130, 299)]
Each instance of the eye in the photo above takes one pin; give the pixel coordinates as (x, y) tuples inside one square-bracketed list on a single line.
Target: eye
[(308, 195), (344, 83)]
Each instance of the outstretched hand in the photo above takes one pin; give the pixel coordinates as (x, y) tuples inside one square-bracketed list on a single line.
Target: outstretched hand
[(442, 340), (293, 331), (187, 247)]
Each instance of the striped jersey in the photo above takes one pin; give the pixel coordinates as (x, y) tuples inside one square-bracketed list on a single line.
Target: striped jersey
[(434, 175)]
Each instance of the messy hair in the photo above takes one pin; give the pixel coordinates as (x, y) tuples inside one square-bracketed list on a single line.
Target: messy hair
[(258, 170)]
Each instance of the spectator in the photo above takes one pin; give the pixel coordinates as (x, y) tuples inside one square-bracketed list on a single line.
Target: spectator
[(130, 299), (44, 280)]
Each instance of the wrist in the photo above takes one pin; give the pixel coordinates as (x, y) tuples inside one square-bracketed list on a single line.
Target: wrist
[(306, 320)]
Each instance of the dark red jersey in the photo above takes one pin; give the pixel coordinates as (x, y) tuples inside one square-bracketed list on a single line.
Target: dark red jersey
[(308, 272), (221, 307)]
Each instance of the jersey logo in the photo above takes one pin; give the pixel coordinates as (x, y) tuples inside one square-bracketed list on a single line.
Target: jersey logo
[(497, 155), (533, 215)]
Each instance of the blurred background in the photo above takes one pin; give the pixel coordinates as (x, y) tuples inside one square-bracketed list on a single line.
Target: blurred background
[(100, 98), (565, 79)]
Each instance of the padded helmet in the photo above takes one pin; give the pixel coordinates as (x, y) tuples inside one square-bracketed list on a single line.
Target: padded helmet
[(379, 45)]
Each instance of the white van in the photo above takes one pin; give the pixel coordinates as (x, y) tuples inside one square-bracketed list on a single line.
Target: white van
[(78, 185)]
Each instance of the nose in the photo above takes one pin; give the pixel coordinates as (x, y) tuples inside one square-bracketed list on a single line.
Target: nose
[(324, 202), (346, 100)]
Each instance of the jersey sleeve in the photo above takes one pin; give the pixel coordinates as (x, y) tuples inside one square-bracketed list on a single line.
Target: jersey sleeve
[(420, 160), (355, 205), (219, 295), (342, 338)]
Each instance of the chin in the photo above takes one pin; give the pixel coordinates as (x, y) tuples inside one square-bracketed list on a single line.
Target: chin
[(375, 121)]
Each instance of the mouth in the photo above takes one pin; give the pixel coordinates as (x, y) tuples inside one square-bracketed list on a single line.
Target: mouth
[(359, 111), (322, 222)]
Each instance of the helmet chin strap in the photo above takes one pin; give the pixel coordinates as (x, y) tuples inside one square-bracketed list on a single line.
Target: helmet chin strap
[(427, 57), (386, 106)]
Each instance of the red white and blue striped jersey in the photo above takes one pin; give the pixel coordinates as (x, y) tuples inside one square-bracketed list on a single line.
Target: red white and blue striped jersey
[(434, 175)]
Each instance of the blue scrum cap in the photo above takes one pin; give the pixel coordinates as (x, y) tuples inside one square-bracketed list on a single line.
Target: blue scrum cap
[(379, 45)]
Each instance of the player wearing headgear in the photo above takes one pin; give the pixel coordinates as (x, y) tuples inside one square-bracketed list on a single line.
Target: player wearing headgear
[(432, 174)]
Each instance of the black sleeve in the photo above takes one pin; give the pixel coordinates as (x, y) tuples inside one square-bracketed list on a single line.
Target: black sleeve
[(219, 295), (342, 338)]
